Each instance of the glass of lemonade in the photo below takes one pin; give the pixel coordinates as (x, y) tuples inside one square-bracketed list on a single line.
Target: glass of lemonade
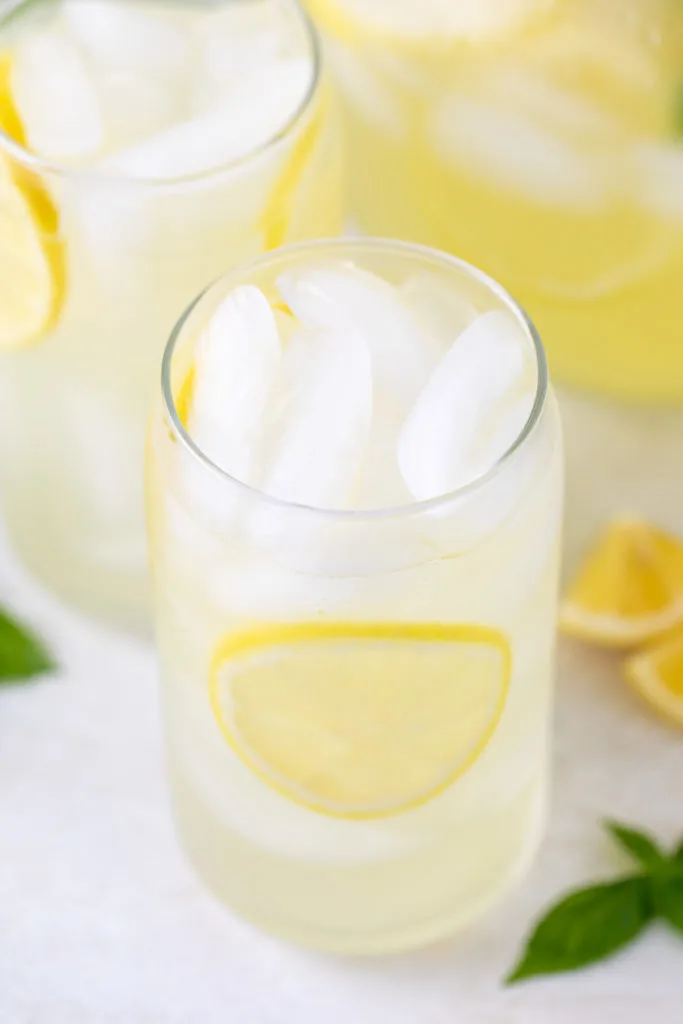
[(354, 494), (145, 148)]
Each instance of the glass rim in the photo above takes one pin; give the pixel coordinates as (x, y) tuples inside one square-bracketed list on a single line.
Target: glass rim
[(377, 245), (52, 169)]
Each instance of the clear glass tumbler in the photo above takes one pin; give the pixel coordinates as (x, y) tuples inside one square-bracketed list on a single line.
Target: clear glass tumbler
[(357, 701), (145, 148)]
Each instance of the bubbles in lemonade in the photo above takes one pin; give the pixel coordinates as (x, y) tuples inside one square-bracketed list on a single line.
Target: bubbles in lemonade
[(355, 561), (149, 146)]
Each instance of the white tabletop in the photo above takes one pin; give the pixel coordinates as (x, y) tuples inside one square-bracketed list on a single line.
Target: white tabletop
[(102, 922)]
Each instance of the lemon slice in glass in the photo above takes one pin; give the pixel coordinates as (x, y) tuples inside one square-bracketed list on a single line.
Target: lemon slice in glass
[(360, 720), (31, 253)]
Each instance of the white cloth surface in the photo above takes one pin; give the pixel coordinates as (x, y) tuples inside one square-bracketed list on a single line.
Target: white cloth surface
[(102, 921)]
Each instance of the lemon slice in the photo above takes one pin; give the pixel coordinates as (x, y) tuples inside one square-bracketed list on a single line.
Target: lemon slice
[(30, 253), (277, 216), (657, 675), (360, 720), (629, 590)]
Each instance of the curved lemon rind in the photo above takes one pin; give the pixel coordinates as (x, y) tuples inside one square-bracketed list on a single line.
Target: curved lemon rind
[(253, 639), (40, 217), (618, 632), (643, 678)]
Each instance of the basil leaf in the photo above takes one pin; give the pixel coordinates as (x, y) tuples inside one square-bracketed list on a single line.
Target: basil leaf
[(22, 654), (586, 926), (640, 845), (667, 896)]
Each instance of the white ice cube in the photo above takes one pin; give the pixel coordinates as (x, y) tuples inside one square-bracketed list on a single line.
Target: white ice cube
[(126, 37), (508, 150), (347, 298), (363, 87), (442, 308), (465, 19), (236, 363), (659, 179), (135, 105), (438, 445), (56, 98), (238, 124), (533, 93), (383, 485), (231, 51), (322, 437)]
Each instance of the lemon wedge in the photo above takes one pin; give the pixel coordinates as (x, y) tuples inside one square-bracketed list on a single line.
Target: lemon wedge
[(360, 720), (630, 588), (656, 673), (30, 252)]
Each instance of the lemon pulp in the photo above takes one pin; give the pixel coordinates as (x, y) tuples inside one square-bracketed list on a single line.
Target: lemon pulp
[(630, 588), (31, 254), (360, 720)]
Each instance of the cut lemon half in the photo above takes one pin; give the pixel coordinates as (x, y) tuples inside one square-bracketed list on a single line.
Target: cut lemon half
[(657, 675), (360, 720), (31, 255), (630, 588)]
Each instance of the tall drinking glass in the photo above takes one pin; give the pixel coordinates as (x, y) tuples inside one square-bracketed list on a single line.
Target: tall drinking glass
[(145, 148), (357, 675)]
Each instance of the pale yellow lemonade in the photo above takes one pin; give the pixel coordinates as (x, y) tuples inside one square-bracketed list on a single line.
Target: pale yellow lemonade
[(354, 503), (145, 148), (543, 141)]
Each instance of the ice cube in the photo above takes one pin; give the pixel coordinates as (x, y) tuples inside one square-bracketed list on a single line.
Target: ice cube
[(135, 106), (233, 49), (238, 124), (383, 485), (506, 424), (56, 98), (236, 363), (465, 19), (124, 37), (507, 150), (659, 179), (534, 94), (364, 88), (347, 298), (322, 437), (441, 307), (438, 445)]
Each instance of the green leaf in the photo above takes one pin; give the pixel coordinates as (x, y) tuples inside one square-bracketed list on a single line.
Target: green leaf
[(585, 927), (641, 846), (22, 654), (678, 853), (667, 897)]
